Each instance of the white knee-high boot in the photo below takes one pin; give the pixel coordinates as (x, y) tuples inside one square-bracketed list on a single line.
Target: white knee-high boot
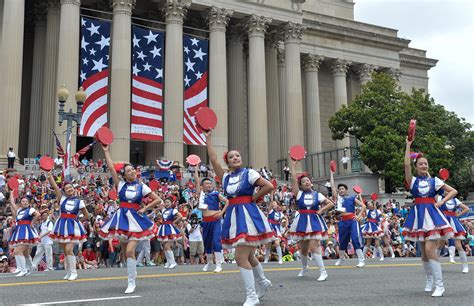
[(342, 255), (209, 261), (381, 253), (280, 255), (262, 284), (319, 261), (438, 278), (267, 255), (392, 254), (429, 276), (249, 282), (364, 250), (361, 258), (172, 260), (21, 265), (304, 263), (72, 267), (132, 275), (452, 253), (465, 266), (29, 264), (219, 261)]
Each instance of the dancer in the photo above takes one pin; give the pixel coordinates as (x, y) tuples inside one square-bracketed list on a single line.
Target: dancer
[(129, 223), (24, 235), (309, 227), (168, 230), (425, 223), (449, 209), (372, 231), (386, 237), (275, 217), (245, 226), (45, 247), (67, 230), (209, 204), (349, 228)]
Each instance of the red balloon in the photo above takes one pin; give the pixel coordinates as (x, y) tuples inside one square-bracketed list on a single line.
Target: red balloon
[(13, 183), (193, 160), (46, 163), (333, 165), (297, 152), (374, 196), (411, 130), (104, 135), (444, 174), (206, 118), (357, 189)]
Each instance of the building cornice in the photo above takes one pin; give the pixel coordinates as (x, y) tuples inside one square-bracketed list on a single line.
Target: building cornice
[(418, 62)]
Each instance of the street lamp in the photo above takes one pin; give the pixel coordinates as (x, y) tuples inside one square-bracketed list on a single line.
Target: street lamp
[(62, 95)]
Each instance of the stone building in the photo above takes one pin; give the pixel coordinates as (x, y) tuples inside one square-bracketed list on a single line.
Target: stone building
[(278, 70)]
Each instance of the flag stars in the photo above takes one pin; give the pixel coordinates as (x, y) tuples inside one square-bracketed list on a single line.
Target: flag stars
[(160, 73), (103, 42), (189, 65), (83, 76), (93, 29), (92, 51), (199, 54), (156, 51), (84, 43), (194, 42), (146, 67), (186, 50), (85, 61), (187, 80), (99, 65), (150, 37), (198, 75), (135, 69), (141, 56), (136, 41), (83, 22)]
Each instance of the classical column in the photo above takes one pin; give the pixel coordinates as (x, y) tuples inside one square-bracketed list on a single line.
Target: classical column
[(282, 102), (237, 94), (34, 133), (273, 100), (218, 19), (68, 62), (121, 76), (257, 93), (294, 97), (175, 11), (11, 56), (311, 63), (48, 106), (339, 69), (365, 73), (395, 73)]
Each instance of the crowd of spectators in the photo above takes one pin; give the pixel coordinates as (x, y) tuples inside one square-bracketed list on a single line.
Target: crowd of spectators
[(93, 186)]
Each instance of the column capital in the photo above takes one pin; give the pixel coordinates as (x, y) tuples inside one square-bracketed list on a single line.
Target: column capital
[(281, 56), (340, 66), (236, 32), (73, 2), (123, 6), (218, 18), (395, 73), (272, 39), (365, 71), (39, 11), (257, 25), (175, 10), (293, 31), (311, 62)]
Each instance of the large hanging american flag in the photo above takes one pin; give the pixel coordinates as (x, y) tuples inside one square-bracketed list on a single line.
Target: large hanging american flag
[(94, 73), (195, 86), (147, 85)]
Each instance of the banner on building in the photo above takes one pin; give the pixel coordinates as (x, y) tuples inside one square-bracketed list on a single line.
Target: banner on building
[(147, 84), (195, 57), (94, 73)]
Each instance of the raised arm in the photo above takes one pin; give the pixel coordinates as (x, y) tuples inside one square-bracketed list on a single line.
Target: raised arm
[(407, 162), (333, 187), (197, 182), (294, 179), (53, 184), (12, 203), (110, 165), (213, 156), (360, 202)]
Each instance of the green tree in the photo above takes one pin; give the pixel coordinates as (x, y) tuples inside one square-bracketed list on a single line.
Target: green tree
[(379, 118)]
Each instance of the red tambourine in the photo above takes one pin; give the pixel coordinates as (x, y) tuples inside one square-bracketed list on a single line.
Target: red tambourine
[(13, 183), (154, 185), (333, 165), (104, 135), (443, 174), (357, 189), (411, 130), (206, 118), (46, 163), (113, 195), (118, 167), (374, 196), (297, 152), (193, 160)]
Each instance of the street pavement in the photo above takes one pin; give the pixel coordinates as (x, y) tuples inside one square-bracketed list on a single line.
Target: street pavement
[(392, 282)]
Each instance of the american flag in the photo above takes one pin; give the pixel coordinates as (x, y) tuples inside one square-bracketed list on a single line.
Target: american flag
[(196, 52), (66, 164), (147, 84), (83, 151), (59, 147), (94, 73)]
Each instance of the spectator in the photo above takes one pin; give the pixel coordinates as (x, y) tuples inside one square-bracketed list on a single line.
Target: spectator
[(90, 259), (345, 161), (330, 252), (11, 158), (286, 172)]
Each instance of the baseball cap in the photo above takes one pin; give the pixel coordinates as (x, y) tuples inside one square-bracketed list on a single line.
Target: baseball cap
[(3, 258)]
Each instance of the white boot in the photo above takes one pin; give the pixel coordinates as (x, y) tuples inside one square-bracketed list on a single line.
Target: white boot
[(72, 267), (132, 275), (438, 278), (262, 284), (342, 257), (392, 254), (319, 261), (304, 263), (21, 264), (364, 250), (66, 268), (173, 263), (209, 261), (267, 255), (168, 261), (374, 252), (29, 265), (219, 261), (465, 266), (381, 253), (280, 255), (249, 282), (361, 258), (429, 276), (452, 253)]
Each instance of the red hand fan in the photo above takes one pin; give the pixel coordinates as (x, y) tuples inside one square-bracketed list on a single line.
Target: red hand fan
[(193, 160), (374, 196), (411, 130), (113, 195), (13, 183), (153, 185), (104, 135), (297, 152), (206, 118), (333, 165), (357, 189), (46, 163), (443, 174)]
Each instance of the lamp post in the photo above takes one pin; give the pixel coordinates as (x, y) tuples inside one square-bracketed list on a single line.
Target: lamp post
[(69, 117)]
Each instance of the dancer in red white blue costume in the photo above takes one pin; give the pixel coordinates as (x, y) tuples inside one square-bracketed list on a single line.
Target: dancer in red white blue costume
[(309, 227), (24, 235), (450, 210), (68, 230), (168, 232), (245, 226), (349, 228), (371, 229), (425, 223), (275, 217), (129, 223), (209, 204)]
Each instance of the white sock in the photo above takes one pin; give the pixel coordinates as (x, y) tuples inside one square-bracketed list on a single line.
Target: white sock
[(29, 262), (462, 255), (72, 263), (452, 251), (280, 255), (171, 257), (360, 256), (132, 270), (319, 261), (380, 251), (209, 258), (304, 261), (20, 262), (391, 250), (219, 258), (258, 273), (267, 254), (364, 250)]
